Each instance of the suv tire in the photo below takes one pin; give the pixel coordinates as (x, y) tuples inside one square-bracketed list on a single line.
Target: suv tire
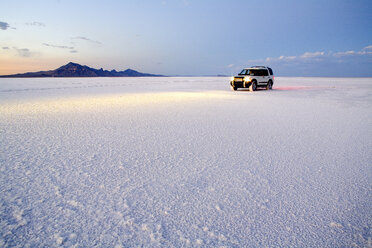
[(234, 88), (253, 86), (269, 85)]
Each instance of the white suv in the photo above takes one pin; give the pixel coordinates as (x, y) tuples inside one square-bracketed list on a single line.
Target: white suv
[(253, 77)]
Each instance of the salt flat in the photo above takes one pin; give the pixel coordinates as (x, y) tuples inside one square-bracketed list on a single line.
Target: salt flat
[(185, 162)]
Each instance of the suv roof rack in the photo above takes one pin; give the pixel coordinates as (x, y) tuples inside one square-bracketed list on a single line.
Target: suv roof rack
[(258, 66)]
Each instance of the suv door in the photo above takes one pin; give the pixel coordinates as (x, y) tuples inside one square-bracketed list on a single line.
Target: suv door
[(265, 76), (261, 77)]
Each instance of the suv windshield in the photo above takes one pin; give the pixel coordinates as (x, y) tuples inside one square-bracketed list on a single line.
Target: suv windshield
[(252, 72)]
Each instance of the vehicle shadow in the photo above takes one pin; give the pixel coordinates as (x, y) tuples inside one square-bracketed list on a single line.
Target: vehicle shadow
[(247, 90), (287, 88)]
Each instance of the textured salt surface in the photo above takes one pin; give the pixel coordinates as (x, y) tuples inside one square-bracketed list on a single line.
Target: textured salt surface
[(185, 162)]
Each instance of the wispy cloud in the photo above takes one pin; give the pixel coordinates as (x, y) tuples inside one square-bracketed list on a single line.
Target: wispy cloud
[(365, 51), (347, 53), (5, 48), (23, 52), (86, 39), (320, 63), (39, 24), (302, 57), (309, 55), (316, 56), (4, 25), (58, 46)]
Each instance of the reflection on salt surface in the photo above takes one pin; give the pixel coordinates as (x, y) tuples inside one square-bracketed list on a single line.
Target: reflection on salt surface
[(287, 88), (84, 103)]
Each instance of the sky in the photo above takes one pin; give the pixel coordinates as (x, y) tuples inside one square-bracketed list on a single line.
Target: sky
[(189, 37)]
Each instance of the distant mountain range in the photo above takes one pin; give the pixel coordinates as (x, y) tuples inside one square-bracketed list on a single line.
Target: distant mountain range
[(76, 70)]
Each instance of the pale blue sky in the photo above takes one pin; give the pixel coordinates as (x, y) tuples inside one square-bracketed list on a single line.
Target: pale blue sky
[(189, 37)]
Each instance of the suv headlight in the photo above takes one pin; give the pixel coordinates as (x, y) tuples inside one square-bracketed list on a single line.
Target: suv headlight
[(247, 79), (232, 79)]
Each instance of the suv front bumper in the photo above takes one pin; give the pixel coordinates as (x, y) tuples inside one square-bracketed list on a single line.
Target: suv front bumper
[(240, 84)]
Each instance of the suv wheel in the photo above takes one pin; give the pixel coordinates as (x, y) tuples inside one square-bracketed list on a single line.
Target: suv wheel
[(269, 85), (234, 88), (253, 86)]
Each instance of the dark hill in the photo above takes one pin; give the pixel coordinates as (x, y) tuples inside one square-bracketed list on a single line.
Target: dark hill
[(76, 70)]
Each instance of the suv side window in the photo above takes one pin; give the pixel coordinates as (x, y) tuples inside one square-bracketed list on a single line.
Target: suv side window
[(271, 71), (265, 73)]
